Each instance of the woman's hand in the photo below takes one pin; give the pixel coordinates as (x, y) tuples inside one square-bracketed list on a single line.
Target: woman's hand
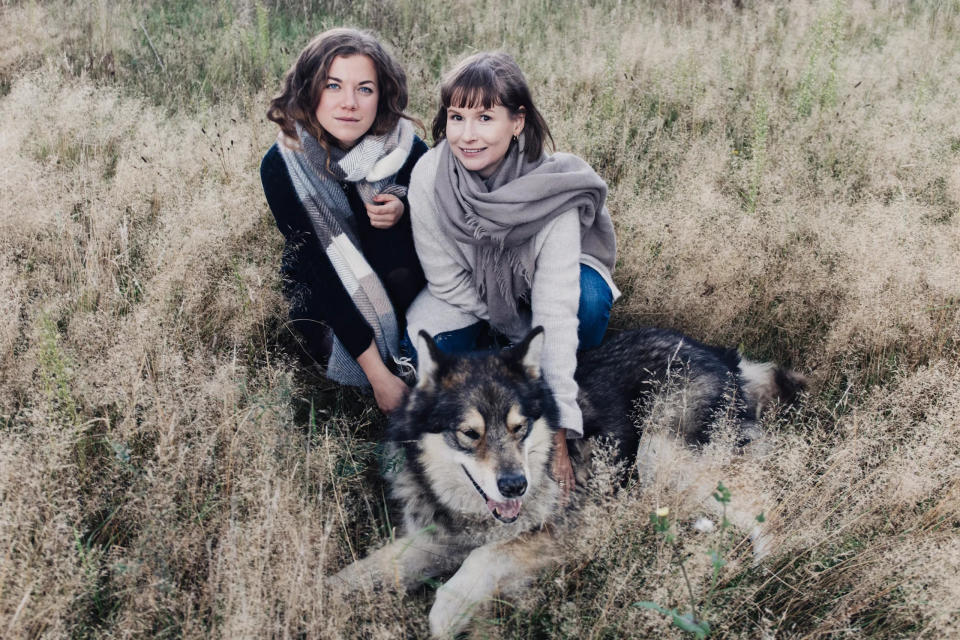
[(388, 390), (385, 214), (562, 470)]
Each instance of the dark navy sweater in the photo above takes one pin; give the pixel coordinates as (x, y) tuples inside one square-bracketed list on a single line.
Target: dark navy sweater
[(310, 283)]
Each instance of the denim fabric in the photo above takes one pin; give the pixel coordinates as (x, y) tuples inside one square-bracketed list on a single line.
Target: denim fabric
[(596, 299), (594, 313)]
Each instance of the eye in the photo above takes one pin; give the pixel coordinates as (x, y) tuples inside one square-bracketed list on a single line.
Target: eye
[(456, 117), (519, 428), (366, 90), (485, 118), (332, 86), (470, 433)]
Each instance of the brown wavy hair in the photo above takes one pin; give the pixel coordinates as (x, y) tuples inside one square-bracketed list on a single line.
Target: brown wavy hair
[(304, 82), (490, 79)]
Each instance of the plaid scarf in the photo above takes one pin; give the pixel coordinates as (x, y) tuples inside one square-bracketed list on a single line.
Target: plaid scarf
[(372, 166)]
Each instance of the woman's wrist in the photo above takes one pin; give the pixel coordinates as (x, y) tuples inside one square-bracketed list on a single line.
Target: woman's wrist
[(373, 365), (560, 443)]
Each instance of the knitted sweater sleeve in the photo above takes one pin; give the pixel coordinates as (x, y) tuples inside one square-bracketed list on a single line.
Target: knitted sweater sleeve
[(555, 301), (449, 278)]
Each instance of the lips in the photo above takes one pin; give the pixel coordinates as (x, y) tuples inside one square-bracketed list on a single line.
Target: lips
[(507, 511), (472, 152)]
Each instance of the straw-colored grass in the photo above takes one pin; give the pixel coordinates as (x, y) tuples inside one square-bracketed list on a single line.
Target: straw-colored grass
[(784, 176)]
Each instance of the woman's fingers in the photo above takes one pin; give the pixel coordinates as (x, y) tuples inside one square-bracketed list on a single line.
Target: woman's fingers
[(386, 213)]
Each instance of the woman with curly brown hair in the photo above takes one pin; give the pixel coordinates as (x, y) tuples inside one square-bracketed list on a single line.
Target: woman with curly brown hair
[(336, 183)]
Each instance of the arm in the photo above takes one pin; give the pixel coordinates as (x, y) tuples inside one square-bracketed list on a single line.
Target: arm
[(327, 299), (388, 390), (555, 302), (447, 275)]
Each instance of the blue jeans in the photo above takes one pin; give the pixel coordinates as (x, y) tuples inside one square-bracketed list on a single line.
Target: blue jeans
[(596, 298)]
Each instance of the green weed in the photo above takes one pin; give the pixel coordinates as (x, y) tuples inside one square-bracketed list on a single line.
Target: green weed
[(696, 621), (56, 372)]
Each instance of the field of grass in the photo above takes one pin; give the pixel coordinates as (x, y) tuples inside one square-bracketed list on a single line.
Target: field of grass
[(785, 176)]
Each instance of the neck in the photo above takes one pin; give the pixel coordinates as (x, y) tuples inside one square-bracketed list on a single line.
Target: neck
[(489, 171)]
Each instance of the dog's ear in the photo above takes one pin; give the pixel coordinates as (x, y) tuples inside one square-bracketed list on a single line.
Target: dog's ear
[(430, 357), (529, 351)]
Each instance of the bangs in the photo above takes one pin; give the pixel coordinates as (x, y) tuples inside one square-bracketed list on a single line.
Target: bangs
[(487, 80), (475, 86)]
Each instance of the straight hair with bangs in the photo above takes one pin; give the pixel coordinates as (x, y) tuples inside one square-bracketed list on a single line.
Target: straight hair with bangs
[(489, 79)]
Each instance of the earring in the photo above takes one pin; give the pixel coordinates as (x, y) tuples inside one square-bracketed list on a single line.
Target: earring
[(514, 138)]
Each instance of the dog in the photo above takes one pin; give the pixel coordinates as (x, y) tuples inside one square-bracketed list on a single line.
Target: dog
[(476, 439)]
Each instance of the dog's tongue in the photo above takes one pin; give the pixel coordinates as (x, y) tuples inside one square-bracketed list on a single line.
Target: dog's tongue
[(508, 509)]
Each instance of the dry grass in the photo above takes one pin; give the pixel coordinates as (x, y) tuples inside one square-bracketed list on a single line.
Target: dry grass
[(785, 177)]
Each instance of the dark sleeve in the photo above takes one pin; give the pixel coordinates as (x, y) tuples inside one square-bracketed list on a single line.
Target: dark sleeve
[(403, 177), (320, 292)]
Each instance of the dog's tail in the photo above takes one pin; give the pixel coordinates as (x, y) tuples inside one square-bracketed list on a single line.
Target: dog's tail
[(765, 383)]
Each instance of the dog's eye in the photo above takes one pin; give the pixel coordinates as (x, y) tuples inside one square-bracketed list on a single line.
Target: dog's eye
[(470, 433), (518, 428)]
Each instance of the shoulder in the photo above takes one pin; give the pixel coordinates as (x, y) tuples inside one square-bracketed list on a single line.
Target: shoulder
[(569, 161), (423, 204), (273, 169), (562, 234), (271, 160), (424, 174), (417, 150)]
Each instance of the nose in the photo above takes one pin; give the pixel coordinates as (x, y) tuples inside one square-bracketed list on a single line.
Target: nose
[(349, 100), (512, 486), (468, 133)]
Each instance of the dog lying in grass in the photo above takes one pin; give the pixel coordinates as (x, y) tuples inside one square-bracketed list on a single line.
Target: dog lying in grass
[(476, 440)]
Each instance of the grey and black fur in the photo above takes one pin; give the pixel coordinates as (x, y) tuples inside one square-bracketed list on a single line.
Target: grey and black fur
[(618, 379), (477, 437)]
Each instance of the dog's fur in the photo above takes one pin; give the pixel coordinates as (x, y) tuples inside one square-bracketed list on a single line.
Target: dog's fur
[(477, 435)]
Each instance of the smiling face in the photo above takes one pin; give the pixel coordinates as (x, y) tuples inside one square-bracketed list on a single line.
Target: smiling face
[(349, 99), (479, 137)]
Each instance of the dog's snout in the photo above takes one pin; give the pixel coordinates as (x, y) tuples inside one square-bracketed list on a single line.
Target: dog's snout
[(512, 486)]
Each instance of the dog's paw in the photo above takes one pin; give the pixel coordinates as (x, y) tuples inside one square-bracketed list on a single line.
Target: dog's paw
[(449, 614), (348, 580), (468, 589)]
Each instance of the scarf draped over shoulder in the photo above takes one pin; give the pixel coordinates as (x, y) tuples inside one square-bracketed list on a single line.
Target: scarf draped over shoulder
[(501, 215), (317, 176)]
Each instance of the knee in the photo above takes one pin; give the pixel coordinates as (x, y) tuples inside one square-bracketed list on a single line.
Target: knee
[(403, 287), (594, 308), (595, 302), (595, 295)]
